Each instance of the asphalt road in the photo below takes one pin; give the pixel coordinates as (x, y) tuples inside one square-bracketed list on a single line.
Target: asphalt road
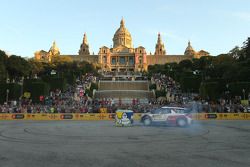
[(101, 144)]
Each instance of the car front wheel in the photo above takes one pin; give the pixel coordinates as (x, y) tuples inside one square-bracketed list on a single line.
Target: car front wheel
[(147, 121), (181, 122)]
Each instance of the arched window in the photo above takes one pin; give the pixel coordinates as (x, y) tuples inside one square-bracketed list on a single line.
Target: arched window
[(104, 59)]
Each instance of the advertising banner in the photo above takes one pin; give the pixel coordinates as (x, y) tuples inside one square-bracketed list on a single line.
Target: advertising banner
[(112, 116)]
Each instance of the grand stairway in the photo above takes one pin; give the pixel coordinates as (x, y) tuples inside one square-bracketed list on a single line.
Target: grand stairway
[(125, 91)]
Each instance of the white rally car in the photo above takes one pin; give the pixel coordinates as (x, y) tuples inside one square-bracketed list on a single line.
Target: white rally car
[(168, 115)]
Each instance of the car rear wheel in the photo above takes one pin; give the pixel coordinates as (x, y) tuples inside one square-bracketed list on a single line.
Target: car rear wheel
[(181, 122), (147, 121)]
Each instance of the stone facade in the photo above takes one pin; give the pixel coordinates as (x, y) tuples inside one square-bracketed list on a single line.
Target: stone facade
[(123, 56), (47, 56)]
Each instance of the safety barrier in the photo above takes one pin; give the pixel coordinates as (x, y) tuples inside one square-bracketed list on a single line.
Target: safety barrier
[(57, 117), (108, 116), (221, 116)]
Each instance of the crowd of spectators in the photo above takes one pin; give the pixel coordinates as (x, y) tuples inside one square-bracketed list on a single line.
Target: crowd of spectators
[(174, 97), (167, 84), (76, 100), (222, 106)]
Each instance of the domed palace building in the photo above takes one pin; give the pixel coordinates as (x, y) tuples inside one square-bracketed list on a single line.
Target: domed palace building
[(123, 56)]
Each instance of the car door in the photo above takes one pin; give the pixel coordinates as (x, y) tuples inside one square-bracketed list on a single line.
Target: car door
[(172, 116), (165, 113), (158, 115)]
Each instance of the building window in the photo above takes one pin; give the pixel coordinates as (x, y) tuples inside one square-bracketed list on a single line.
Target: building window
[(113, 61), (104, 59), (131, 61), (103, 51), (122, 60)]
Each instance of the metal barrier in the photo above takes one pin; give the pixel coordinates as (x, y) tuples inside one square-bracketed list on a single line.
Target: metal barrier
[(108, 116)]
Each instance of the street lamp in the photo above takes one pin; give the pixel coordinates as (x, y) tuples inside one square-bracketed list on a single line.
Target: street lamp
[(7, 95), (22, 80), (227, 94), (244, 91)]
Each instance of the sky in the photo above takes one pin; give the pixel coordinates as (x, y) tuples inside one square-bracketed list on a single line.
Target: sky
[(212, 25)]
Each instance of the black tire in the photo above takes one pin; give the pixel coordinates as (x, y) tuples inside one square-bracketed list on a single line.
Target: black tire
[(147, 121), (181, 122)]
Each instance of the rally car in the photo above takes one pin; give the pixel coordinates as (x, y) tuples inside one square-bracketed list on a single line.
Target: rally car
[(168, 115)]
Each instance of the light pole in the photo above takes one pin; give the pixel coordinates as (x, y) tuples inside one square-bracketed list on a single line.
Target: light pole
[(7, 95), (227, 94), (22, 80), (243, 91)]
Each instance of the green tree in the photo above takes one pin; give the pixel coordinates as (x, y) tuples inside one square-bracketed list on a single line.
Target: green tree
[(18, 67), (236, 52), (231, 73), (3, 62), (13, 94), (3, 72), (3, 57), (222, 59), (190, 84), (186, 64), (61, 59), (236, 89), (210, 90), (37, 67), (243, 74), (246, 50)]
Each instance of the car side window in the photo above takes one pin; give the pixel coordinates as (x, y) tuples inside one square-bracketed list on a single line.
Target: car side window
[(187, 110), (180, 111), (166, 111), (173, 110), (157, 111)]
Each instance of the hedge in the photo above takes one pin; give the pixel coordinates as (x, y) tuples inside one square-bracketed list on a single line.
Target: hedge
[(27, 84), (190, 84), (70, 78), (38, 89), (14, 92), (55, 83), (3, 88), (210, 90), (215, 90), (236, 88)]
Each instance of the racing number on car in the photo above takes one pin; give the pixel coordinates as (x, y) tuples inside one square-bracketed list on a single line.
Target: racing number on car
[(158, 117)]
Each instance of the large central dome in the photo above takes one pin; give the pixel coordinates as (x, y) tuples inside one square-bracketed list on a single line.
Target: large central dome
[(122, 36)]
